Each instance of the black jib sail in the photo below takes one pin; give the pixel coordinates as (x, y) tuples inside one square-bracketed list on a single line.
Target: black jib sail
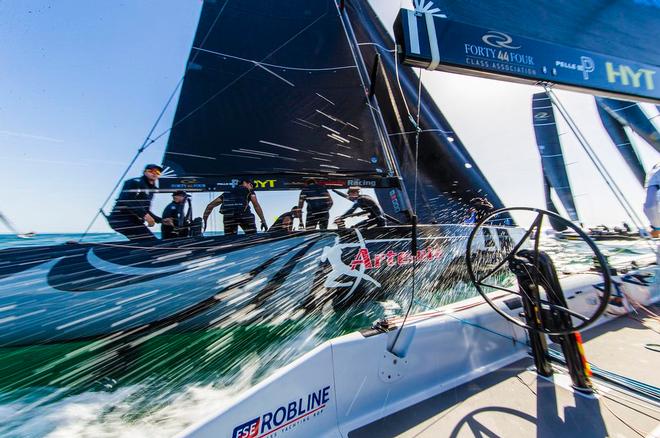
[(622, 142), (630, 114), (552, 158), (448, 177), (273, 91)]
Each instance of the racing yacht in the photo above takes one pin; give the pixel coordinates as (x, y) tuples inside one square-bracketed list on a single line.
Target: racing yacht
[(511, 361)]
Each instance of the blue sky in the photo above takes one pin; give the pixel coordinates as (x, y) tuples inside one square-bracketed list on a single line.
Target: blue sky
[(83, 81)]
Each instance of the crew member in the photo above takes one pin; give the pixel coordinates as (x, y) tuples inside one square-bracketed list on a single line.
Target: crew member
[(319, 203), (367, 205), (235, 209), (174, 218), (132, 208), (479, 209), (284, 223), (651, 208)]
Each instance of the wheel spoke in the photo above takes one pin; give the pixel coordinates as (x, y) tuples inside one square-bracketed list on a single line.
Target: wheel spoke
[(514, 250), (565, 309), (504, 289)]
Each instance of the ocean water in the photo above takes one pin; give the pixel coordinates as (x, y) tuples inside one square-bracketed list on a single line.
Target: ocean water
[(168, 382)]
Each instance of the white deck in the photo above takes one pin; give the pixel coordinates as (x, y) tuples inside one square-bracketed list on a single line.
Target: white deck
[(514, 402)]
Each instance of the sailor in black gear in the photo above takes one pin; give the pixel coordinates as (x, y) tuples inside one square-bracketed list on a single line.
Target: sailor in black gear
[(479, 209), (284, 223), (367, 205), (176, 222), (132, 208), (319, 203), (235, 209)]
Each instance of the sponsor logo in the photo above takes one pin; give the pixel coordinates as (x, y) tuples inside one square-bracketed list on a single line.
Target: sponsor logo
[(332, 254), (362, 182), (395, 201), (586, 66), (498, 39), (625, 74), (284, 417), (496, 58), (355, 272), (264, 183), (541, 115), (186, 185), (392, 258), (427, 7), (233, 183)]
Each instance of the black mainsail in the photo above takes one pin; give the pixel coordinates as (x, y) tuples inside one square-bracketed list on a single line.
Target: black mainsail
[(552, 157), (630, 114), (284, 102), (622, 142)]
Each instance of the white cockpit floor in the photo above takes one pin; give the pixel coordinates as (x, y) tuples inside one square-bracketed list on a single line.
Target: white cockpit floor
[(515, 402)]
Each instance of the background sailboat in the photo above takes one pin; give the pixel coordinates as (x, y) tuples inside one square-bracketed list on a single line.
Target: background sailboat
[(10, 226), (630, 114), (552, 159), (622, 141)]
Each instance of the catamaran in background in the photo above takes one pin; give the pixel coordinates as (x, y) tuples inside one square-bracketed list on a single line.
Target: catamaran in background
[(320, 89)]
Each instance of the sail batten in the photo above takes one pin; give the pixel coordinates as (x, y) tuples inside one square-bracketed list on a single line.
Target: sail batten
[(273, 89)]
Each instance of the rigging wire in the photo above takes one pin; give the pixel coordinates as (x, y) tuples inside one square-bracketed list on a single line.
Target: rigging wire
[(148, 141), (414, 219), (415, 122)]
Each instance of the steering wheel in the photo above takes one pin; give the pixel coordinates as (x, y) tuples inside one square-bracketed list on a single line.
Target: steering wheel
[(515, 258)]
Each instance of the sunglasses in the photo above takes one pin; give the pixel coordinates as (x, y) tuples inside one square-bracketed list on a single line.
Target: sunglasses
[(154, 171)]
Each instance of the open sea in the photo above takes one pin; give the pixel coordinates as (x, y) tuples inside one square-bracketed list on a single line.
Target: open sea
[(168, 382)]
